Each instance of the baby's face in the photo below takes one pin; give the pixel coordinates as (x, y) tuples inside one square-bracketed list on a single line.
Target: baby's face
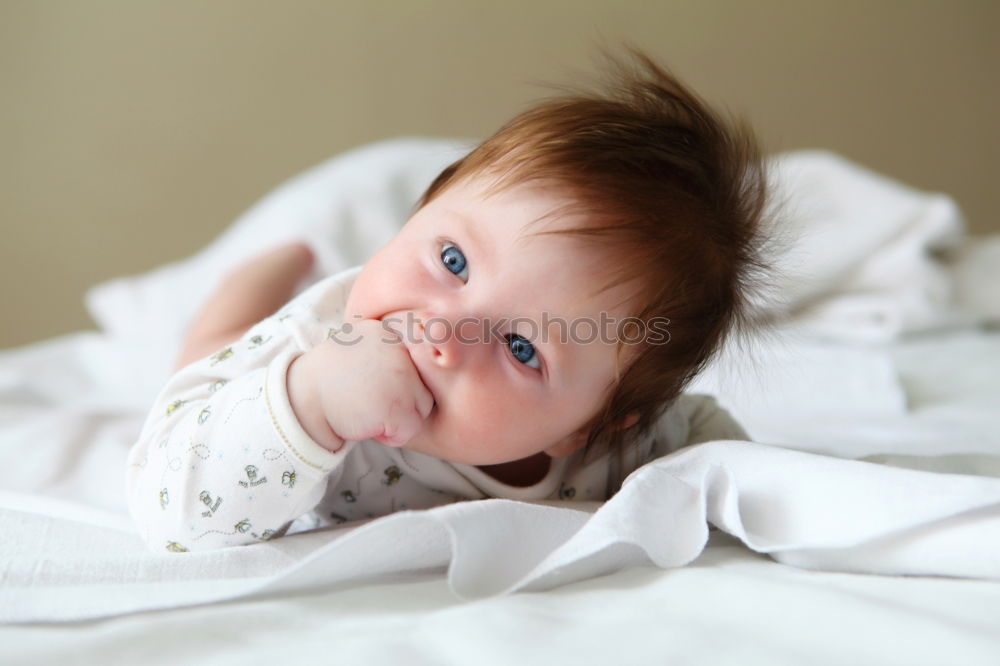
[(469, 295)]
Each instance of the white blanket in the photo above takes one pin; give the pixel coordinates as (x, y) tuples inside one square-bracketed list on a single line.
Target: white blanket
[(69, 409), (807, 510)]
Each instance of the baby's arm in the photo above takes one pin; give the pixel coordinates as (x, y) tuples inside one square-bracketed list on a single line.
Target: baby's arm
[(234, 447), (222, 459), (247, 295)]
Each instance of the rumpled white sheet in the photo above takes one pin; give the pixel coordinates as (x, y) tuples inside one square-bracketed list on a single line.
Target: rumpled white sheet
[(69, 409), (863, 259), (807, 510)]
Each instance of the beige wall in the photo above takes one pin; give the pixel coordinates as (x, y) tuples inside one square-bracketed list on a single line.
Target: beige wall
[(132, 132)]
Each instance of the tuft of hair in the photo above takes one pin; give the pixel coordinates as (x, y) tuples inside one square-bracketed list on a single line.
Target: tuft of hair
[(676, 193)]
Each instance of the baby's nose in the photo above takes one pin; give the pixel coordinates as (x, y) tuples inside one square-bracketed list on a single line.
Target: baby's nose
[(447, 338)]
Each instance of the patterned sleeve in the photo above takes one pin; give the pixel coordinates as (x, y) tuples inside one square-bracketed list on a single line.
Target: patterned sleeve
[(222, 460)]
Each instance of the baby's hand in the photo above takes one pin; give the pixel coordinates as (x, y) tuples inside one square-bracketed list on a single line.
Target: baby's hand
[(366, 389)]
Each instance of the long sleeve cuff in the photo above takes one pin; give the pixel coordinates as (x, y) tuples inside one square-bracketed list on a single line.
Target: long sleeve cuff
[(286, 424)]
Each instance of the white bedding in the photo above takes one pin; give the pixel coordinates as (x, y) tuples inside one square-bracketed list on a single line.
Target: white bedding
[(889, 350)]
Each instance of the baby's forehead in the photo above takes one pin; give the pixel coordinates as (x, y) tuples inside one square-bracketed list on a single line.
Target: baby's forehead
[(574, 289), (587, 263)]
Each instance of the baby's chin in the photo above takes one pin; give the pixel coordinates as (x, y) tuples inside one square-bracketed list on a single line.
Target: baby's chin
[(456, 455)]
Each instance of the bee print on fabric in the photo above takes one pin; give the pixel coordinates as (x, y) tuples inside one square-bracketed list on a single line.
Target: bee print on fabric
[(392, 475), (288, 476), (164, 498), (258, 341), (175, 405), (263, 536), (206, 499), (566, 493), (221, 356), (203, 415), (351, 496), (174, 547), (216, 385), (241, 527), (252, 479)]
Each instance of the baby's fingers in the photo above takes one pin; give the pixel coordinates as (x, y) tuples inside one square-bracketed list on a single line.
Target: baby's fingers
[(424, 402), (401, 426)]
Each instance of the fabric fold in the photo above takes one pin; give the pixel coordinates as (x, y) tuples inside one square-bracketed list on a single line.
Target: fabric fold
[(804, 509)]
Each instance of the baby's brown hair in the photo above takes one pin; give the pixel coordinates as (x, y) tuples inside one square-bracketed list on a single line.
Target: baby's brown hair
[(674, 191)]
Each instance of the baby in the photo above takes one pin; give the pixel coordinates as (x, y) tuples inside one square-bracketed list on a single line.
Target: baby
[(526, 335)]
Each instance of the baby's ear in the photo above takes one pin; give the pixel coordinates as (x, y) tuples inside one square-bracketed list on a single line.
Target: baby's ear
[(572, 443), (628, 421)]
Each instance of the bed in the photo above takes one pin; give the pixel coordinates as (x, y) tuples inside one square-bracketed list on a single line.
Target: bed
[(862, 524)]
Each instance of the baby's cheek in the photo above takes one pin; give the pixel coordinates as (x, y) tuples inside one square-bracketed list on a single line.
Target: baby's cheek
[(480, 420), (512, 422), (481, 417)]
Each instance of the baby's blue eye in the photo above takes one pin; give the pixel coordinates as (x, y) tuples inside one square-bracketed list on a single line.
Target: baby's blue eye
[(523, 350), (454, 261)]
